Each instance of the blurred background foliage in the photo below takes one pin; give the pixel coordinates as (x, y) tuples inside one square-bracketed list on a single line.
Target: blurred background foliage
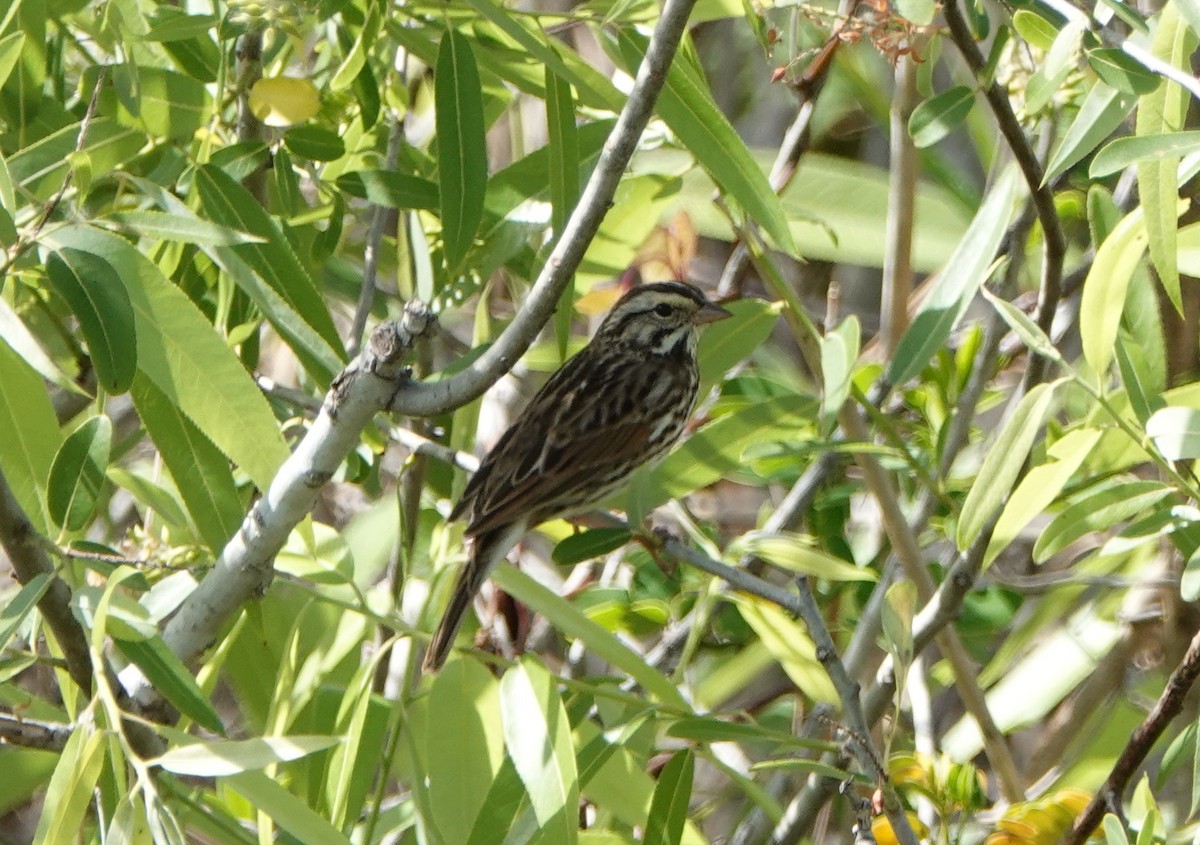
[(204, 205)]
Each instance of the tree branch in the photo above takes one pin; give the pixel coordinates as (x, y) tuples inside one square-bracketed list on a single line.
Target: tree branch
[(31, 733), (245, 566), (1053, 242), (27, 552), (1168, 706), (432, 398)]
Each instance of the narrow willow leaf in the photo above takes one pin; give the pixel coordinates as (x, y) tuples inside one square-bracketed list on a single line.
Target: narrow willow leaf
[(77, 475), (1003, 463), (568, 620), (229, 204), (1097, 509), (17, 336), (687, 106), (1041, 486), (356, 58), (70, 791), (179, 351), (798, 553), (937, 117), (40, 167), (201, 473), (727, 342), (789, 643), (289, 811), (537, 734), (21, 605), (1175, 431), (564, 185), (1103, 110), (590, 544), (10, 51), (716, 450), (672, 794), (839, 353), (1165, 110), (464, 746), (1104, 290), (31, 436), (501, 804), (219, 758), (387, 187), (713, 729), (93, 290), (172, 227), (315, 143), (957, 283), (1122, 71), (172, 679), (462, 152), (1103, 215), (1118, 154)]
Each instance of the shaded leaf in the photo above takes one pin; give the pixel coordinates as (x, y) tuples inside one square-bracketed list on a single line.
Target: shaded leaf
[(387, 187), (935, 118), (172, 679), (589, 544), (668, 810), (77, 475), (462, 152), (1116, 155)]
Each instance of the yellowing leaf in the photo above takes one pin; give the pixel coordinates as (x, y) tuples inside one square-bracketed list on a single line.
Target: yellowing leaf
[(284, 101)]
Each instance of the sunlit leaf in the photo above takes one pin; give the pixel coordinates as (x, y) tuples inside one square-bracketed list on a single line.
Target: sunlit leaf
[(284, 101)]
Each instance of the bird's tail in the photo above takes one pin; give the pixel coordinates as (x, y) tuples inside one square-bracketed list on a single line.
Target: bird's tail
[(486, 551)]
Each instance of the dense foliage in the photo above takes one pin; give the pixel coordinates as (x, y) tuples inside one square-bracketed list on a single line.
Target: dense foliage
[(973, 503)]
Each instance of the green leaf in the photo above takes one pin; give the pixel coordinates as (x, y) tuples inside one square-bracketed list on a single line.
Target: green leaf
[(937, 117), (315, 143), (1041, 486), (957, 283), (589, 544), (500, 806), (289, 811), (70, 792), (714, 729), (356, 59), (1122, 71), (727, 342), (687, 106), (179, 351), (1103, 110), (40, 167), (715, 450), (464, 746), (564, 185), (169, 105), (150, 495), (797, 553), (1097, 509), (672, 793), (1003, 462), (92, 288), (1114, 831), (31, 437), (1175, 432), (537, 734), (172, 679), (395, 190), (201, 473), (21, 605), (229, 204), (462, 151), (839, 353), (77, 475), (1103, 215), (569, 621), (177, 227), (1161, 111), (789, 644), (1103, 298), (1116, 155), (1034, 28), (899, 609), (10, 51), (221, 758), (919, 12)]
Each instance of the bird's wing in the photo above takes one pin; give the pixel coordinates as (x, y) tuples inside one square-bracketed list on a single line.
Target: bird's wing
[(563, 441)]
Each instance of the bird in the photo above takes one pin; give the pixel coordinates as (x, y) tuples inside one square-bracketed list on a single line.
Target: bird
[(618, 404)]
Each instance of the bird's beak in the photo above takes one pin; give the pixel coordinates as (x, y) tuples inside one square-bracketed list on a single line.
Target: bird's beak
[(710, 313)]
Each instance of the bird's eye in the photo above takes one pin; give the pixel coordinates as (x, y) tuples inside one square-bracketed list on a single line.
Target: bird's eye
[(662, 310)]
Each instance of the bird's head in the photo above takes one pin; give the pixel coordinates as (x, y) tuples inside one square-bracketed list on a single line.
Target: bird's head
[(660, 318)]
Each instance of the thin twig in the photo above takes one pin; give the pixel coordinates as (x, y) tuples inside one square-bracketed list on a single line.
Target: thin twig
[(1168, 706), (379, 218), (1053, 242), (902, 201), (433, 398)]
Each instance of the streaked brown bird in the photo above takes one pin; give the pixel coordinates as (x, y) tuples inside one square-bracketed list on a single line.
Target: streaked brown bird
[(618, 404)]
